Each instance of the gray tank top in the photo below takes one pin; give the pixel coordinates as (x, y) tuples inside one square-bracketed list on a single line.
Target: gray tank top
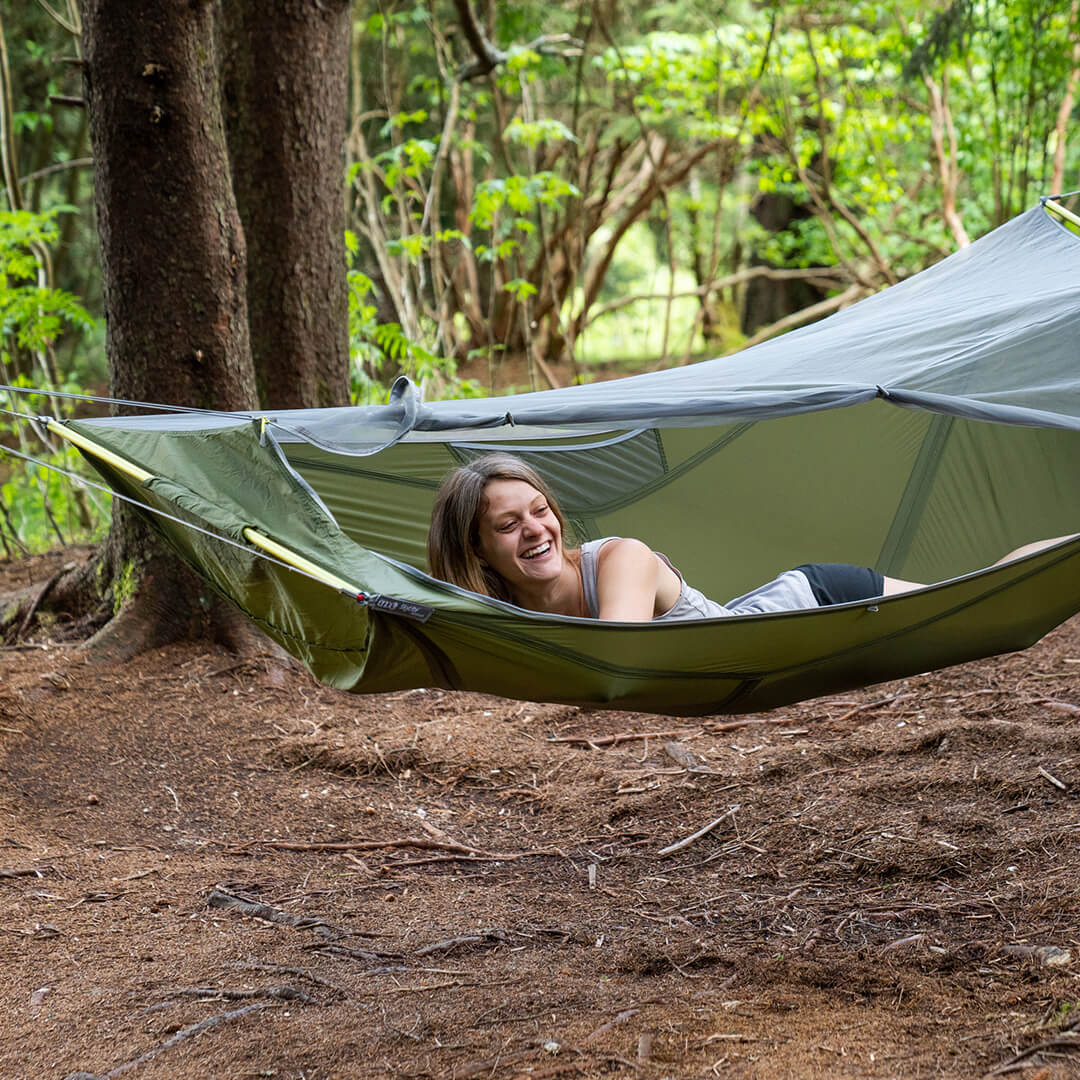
[(788, 592)]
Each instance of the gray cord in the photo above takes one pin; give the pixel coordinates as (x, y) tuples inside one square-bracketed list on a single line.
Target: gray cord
[(117, 401), (252, 550)]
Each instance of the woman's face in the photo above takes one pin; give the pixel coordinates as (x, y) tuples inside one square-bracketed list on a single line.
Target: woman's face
[(519, 535)]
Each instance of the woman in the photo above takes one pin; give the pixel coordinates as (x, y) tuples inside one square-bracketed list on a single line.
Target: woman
[(496, 530)]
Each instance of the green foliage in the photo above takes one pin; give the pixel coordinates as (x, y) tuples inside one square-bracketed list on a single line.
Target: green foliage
[(32, 316), (380, 351), (38, 507)]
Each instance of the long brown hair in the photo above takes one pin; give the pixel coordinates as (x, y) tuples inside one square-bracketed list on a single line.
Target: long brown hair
[(455, 522)]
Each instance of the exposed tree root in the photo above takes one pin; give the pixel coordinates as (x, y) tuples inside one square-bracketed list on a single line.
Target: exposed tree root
[(119, 608)]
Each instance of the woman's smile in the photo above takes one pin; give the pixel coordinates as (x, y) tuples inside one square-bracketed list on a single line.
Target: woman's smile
[(519, 536)]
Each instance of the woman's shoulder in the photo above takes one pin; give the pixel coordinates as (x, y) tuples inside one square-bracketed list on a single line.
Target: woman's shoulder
[(617, 548), (624, 554)]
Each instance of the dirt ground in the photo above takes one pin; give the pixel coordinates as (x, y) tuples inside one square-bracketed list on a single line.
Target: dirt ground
[(221, 869)]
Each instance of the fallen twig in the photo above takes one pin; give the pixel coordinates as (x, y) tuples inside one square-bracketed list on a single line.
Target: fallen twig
[(693, 837), (495, 937), (337, 949), (23, 871), (613, 740), (1048, 1044), (472, 857), (750, 721), (357, 845), (1053, 779), (220, 899), (892, 700), (284, 969), (280, 993), (456, 851), (179, 1037), (623, 1016), (1053, 703)]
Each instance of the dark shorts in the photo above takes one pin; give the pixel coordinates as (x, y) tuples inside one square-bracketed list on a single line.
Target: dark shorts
[(842, 583)]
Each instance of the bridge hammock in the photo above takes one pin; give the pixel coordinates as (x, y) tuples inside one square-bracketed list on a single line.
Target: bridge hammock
[(924, 431)]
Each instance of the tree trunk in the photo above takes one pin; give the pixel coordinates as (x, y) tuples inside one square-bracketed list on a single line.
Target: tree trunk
[(767, 301), (172, 249), (173, 263), (285, 79)]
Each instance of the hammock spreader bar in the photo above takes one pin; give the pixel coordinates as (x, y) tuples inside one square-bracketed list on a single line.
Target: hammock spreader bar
[(253, 536), (1060, 210)]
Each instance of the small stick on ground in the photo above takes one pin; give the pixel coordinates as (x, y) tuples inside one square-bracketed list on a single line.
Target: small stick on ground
[(357, 845), (284, 969), (493, 937), (220, 899), (750, 721), (614, 740), (623, 1016), (881, 702), (1053, 779), (1049, 1044), (470, 857), (1053, 703), (280, 993), (334, 949), (179, 1037), (693, 837), (458, 851)]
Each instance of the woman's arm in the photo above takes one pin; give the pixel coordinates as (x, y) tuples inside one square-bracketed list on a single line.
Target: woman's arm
[(628, 577)]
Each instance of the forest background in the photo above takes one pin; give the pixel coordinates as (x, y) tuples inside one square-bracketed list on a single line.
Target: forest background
[(486, 197)]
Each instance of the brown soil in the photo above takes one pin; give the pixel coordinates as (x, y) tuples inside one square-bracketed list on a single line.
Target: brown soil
[(460, 886)]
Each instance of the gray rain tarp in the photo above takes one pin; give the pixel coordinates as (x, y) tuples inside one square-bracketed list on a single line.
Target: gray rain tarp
[(793, 451)]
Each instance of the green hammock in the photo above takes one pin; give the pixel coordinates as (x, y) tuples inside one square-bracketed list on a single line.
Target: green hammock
[(925, 432)]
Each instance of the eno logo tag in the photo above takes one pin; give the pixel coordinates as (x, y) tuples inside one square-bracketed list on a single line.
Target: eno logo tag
[(406, 608)]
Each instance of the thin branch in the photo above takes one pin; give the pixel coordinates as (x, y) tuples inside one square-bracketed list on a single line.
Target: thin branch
[(59, 19), (824, 275), (60, 166), (941, 123), (1057, 183), (809, 314), (8, 155)]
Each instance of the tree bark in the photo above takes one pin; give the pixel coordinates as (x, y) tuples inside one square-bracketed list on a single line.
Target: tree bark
[(172, 249), (285, 80), (173, 262)]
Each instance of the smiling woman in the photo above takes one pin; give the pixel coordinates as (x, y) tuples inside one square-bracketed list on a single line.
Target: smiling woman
[(496, 529)]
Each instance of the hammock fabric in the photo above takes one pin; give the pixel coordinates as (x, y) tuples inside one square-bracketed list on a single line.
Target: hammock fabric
[(925, 431)]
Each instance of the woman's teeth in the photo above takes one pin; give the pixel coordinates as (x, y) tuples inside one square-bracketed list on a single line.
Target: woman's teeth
[(541, 549)]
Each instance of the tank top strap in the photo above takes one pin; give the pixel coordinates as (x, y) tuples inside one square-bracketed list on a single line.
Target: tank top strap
[(589, 551)]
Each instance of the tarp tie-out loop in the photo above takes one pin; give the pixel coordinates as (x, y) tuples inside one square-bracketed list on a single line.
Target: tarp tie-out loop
[(404, 393)]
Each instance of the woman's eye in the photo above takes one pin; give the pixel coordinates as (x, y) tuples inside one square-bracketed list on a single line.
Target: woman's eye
[(507, 526)]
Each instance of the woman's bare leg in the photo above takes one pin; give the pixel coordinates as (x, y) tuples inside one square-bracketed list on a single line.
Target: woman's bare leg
[(1030, 549), (895, 585)]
